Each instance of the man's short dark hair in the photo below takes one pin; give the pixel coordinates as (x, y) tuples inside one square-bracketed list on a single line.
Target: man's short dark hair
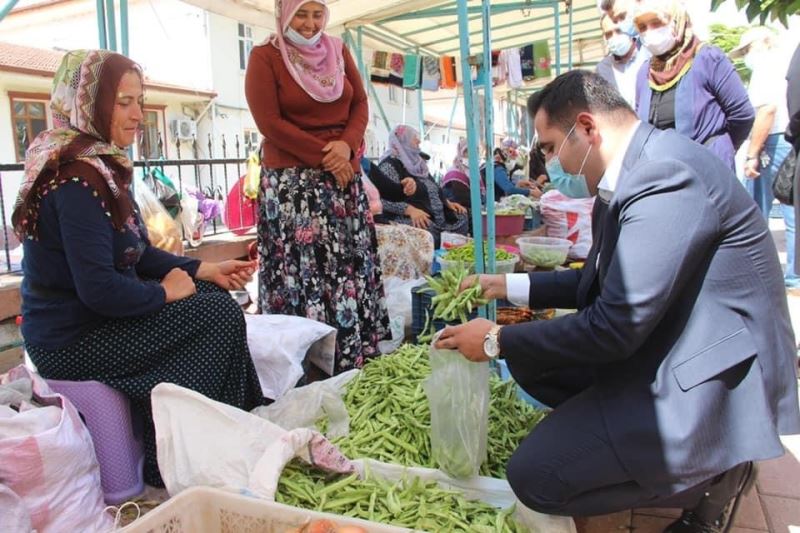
[(576, 92), (607, 5)]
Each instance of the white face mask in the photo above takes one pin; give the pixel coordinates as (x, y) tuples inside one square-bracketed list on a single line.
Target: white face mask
[(297, 39), (619, 44), (753, 59), (660, 41)]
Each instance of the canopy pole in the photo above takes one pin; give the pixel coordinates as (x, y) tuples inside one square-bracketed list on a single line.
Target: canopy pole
[(452, 117), (557, 15), (569, 43), (7, 7), (472, 139), (123, 26), (101, 25), (111, 24), (488, 95), (420, 105)]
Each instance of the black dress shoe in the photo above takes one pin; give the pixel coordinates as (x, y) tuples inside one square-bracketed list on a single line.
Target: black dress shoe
[(717, 510)]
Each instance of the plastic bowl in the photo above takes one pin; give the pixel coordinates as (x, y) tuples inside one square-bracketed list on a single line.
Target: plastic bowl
[(501, 267), (544, 252)]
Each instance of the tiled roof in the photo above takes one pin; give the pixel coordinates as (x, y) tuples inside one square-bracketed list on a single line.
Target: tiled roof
[(41, 62)]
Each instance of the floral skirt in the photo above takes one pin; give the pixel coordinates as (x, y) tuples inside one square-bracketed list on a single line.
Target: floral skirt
[(318, 259)]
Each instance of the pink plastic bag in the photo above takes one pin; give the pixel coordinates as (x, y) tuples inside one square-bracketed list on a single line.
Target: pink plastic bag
[(569, 218), (52, 469), (374, 197)]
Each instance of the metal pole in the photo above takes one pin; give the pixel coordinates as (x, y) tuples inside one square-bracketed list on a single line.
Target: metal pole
[(472, 139), (569, 44), (420, 108), (360, 51), (101, 25), (452, 116), (123, 26), (111, 21), (488, 96), (5, 10), (557, 15)]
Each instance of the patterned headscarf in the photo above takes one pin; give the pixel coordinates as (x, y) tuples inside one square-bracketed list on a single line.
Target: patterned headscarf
[(318, 69), (667, 70), (462, 152), (401, 147), (82, 103), (510, 149)]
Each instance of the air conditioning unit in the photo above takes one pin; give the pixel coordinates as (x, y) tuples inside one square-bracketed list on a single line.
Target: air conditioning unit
[(184, 129)]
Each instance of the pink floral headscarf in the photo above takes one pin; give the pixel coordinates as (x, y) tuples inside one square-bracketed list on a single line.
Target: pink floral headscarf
[(318, 69)]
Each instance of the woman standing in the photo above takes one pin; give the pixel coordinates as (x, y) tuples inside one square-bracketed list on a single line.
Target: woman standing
[(714, 107), (99, 302), (428, 208), (317, 247)]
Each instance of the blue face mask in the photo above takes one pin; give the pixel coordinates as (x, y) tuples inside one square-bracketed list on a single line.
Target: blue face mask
[(626, 26), (294, 37), (572, 185)]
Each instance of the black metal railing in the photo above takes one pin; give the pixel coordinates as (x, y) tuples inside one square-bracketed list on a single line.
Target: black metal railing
[(212, 175)]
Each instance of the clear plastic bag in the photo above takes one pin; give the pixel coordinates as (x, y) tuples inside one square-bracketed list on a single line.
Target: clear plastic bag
[(161, 227), (458, 394)]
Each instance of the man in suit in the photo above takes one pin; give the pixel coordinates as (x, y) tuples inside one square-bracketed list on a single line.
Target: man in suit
[(677, 371)]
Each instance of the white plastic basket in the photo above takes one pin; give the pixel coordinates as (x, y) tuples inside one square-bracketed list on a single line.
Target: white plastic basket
[(207, 510)]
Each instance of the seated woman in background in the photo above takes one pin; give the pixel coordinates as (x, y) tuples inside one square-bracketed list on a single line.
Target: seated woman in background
[(456, 183), (98, 301), (428, 208), (505, 163)]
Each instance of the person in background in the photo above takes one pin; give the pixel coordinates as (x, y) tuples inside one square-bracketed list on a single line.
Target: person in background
[(505, 163), (714, 107), (317, 241), (99, 302), (625, 57), (793, 136), (456, 182), (621, 13), (428, 208), (388, 189), (768, 148), (677, 372)]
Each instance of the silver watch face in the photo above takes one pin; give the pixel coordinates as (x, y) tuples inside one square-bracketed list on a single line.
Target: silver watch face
[(490, 347)]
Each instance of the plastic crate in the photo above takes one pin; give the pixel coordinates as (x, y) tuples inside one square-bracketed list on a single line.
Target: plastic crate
[(505, 375), (207, 510), (421, 306)]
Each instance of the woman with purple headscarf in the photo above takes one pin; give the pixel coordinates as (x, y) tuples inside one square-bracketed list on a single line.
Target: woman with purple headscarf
[(456, 182), (428, 208)]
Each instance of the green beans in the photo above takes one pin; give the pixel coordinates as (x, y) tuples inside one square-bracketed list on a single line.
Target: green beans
[(412, 503), (466, 253), (390, 418), (449, 302)]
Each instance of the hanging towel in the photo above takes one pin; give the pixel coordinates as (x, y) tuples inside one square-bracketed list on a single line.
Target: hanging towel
[(514, 68), (526, 63), (411, 74), (541, 59), (379, 69), (448, 73), (397, 66), (431, 73)]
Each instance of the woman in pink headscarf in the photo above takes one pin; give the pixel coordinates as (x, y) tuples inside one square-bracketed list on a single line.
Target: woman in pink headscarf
[(317, 246), (456, 182)]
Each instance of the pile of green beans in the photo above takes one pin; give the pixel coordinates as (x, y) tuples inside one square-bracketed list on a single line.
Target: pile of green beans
[(390, 418), (410, 503), (466, 253)]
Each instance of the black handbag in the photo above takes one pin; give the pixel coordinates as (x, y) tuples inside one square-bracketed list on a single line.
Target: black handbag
[(783, 184)]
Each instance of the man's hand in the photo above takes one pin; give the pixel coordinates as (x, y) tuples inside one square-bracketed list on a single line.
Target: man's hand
[(409, 186), (751, 167), (419, 218), (467, 339), (492, 285)]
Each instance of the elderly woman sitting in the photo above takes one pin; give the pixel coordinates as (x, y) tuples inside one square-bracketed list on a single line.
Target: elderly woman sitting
[(427, 208), (99, 302)]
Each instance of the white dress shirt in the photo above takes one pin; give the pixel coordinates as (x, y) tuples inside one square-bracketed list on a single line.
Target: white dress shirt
[(518, 286)]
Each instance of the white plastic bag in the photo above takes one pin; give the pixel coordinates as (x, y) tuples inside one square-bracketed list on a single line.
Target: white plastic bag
[(398, 302), (15, 517), (279, 344), (569, 218), (201, 442), (303, 406), (458, 394), (47, 460), (191, 219)]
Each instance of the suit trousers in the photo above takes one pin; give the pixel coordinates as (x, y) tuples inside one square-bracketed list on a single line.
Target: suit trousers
[(567, 465)]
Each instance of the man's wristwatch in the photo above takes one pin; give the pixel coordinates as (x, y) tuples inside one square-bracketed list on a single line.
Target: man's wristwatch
[(491, 343)]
